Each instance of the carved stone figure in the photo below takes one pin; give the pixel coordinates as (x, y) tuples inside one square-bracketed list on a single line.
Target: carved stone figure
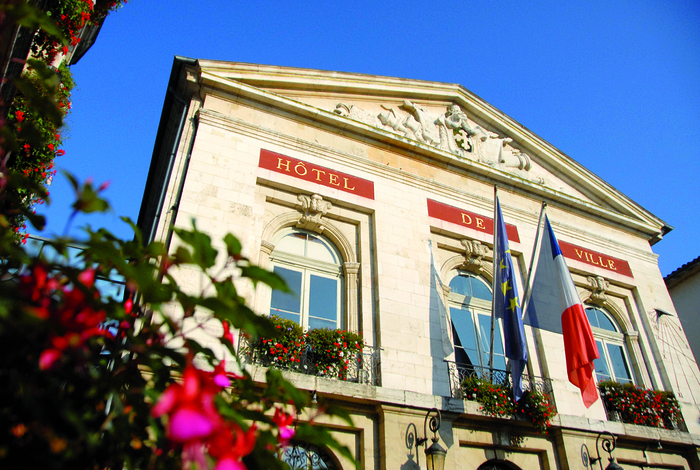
[(474, 253), (599, 285), (392, 120), (421, 123), (313, 209), (450, 131), (357, 113)]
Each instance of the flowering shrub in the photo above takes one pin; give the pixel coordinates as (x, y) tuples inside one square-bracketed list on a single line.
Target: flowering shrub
[(89, 381), (536, 408), (37, 135), (333, 350), (29, 135), (636, 405), (71, 16), (287, 347), (322, 351), (497, 400)]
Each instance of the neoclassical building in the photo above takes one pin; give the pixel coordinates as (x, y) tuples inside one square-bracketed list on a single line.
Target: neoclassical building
[(374, 197)]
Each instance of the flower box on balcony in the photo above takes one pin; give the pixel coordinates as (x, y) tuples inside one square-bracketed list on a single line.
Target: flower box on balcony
[(630, 404)]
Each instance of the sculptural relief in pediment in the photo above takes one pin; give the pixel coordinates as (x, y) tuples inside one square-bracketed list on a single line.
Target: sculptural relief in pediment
[(451, 131)]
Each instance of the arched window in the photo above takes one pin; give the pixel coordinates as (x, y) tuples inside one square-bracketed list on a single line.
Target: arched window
[(307, 457), (470, 309), (312, 268), (613, 363)]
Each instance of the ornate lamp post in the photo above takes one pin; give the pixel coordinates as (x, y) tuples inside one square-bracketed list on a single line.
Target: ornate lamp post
[(435, 454)]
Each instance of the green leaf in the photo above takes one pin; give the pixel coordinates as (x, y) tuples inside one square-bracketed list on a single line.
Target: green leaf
[(203, 254), (233, 245), (27, 15), (258, 274)]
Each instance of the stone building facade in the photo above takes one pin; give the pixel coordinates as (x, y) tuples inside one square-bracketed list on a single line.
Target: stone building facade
[(684, 286), (373, 197)]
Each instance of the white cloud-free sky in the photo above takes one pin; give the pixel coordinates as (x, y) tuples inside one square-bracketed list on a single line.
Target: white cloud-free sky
[(615, 85)]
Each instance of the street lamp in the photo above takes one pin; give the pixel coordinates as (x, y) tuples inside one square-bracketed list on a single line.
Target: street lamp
[(435, 454), (609, 444)]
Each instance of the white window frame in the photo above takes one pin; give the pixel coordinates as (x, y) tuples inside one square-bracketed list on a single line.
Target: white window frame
[(615, 338), (476, 307), (308, 267)]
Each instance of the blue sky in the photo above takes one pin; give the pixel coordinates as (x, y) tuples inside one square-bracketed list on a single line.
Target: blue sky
[(615, 85)]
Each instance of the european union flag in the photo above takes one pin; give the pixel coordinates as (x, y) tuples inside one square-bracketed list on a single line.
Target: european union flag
[(507, 304)]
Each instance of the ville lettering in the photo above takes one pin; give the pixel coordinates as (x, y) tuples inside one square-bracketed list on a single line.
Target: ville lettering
[(595, 259)]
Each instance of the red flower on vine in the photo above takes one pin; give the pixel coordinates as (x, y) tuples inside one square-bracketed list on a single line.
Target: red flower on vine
[(230, 444), (284, 421), (76, 318)]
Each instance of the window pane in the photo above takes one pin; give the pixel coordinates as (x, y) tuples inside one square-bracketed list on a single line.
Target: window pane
[(605, 322), (323, 299), (499, 360), (293, 243), (599, 319), (601, 364), (480, 290), (33, 246), (619, 363), (110, 289), (295, 317), (321, 323), (317, 249), (464, 337), (592, 318), (287, 302), (461, 285)]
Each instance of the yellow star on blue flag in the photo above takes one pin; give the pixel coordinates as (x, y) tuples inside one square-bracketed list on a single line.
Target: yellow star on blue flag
[(507, 304)]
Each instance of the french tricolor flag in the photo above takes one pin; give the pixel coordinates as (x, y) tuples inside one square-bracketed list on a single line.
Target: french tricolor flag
[(555, 306)]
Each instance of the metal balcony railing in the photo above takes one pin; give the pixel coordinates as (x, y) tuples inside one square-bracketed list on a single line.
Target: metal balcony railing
[(363, 367), (458, 372), (666, 421)]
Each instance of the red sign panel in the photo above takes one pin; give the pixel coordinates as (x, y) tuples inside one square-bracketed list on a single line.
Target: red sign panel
[(316, 174), (594, 258), (468, 219)]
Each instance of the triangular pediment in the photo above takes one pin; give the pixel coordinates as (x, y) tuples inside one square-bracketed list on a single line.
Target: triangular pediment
[(438, 120)]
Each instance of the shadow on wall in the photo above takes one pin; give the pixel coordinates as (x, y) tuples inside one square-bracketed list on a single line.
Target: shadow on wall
[(411, 448), (440, 343)]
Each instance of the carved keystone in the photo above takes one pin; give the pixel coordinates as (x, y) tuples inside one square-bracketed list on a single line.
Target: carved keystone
[(313, 209), (474, 252), (599, 286)]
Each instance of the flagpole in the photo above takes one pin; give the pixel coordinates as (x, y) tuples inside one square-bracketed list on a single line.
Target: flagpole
[(528, 290), (535, 253), (494, 284)]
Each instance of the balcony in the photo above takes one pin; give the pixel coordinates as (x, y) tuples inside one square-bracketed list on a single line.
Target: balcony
[(629, 404), (361, 367), (458, 372)]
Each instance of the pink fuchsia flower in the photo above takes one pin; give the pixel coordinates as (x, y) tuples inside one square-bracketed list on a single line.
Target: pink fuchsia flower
[(190, 406), (230, 444), (227, 332), (219, 374), (284, 421)]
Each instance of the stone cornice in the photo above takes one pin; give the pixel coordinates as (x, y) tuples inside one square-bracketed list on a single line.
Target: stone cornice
[(287, 78)]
